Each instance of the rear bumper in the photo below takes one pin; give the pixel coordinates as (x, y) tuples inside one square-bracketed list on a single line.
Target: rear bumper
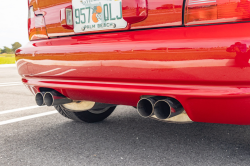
[(207, 72), (212, 104)]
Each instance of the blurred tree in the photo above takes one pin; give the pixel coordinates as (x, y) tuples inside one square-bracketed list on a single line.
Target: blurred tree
[(7, 50), (15, 46), (0, 51)]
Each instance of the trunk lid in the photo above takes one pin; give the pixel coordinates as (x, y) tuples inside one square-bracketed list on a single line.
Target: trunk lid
[(93, 16)]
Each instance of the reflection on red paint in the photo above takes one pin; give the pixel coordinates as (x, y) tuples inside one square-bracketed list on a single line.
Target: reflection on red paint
[(210, 11), (134, 11), (36, 26), (242, 54)]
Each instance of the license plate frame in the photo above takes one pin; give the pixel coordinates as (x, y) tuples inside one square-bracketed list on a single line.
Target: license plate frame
[(97, 15)]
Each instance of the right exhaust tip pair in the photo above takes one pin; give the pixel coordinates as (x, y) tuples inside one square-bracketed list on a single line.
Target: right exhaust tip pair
[(162, 107)]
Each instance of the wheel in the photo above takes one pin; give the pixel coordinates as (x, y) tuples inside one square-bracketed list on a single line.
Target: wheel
[(89, 116)]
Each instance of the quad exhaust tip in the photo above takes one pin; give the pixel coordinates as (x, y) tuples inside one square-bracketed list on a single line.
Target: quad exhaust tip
[(167, 108), (48, 99), (55, 98), (162, 109), (39, 99), (145, 107)]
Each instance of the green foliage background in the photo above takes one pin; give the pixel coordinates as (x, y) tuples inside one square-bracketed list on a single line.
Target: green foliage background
[(7, 55)]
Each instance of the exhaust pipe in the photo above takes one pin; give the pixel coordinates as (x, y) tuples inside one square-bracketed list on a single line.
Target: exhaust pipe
[(145, 107), (39, 99), (167, 108), (55, 98), (83, 105)]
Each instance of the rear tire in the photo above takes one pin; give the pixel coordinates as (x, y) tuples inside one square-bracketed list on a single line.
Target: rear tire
[(90, 116)]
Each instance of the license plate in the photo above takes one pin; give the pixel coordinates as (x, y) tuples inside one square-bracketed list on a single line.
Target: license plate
[(96, 15)]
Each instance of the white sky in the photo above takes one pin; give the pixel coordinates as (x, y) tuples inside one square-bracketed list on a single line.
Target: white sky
[(13, 22)]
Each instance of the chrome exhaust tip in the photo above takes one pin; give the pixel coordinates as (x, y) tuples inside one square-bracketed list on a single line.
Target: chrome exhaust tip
[(55, 98), (167, 108), (39, 99), (162, 109), (145, 107)]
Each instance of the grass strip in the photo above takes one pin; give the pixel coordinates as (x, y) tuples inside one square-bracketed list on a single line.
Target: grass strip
[(7, 55), (7, 60)]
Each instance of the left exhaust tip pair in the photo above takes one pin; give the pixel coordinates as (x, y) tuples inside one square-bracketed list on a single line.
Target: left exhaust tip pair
[(51, 98)]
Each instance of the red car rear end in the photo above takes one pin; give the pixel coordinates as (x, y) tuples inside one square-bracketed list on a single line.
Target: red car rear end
[(186, 59)]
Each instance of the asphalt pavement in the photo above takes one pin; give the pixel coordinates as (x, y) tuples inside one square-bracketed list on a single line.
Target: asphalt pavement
[(38, 136)]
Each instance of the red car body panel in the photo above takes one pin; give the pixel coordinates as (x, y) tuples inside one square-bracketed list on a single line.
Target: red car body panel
[(207, 72)]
